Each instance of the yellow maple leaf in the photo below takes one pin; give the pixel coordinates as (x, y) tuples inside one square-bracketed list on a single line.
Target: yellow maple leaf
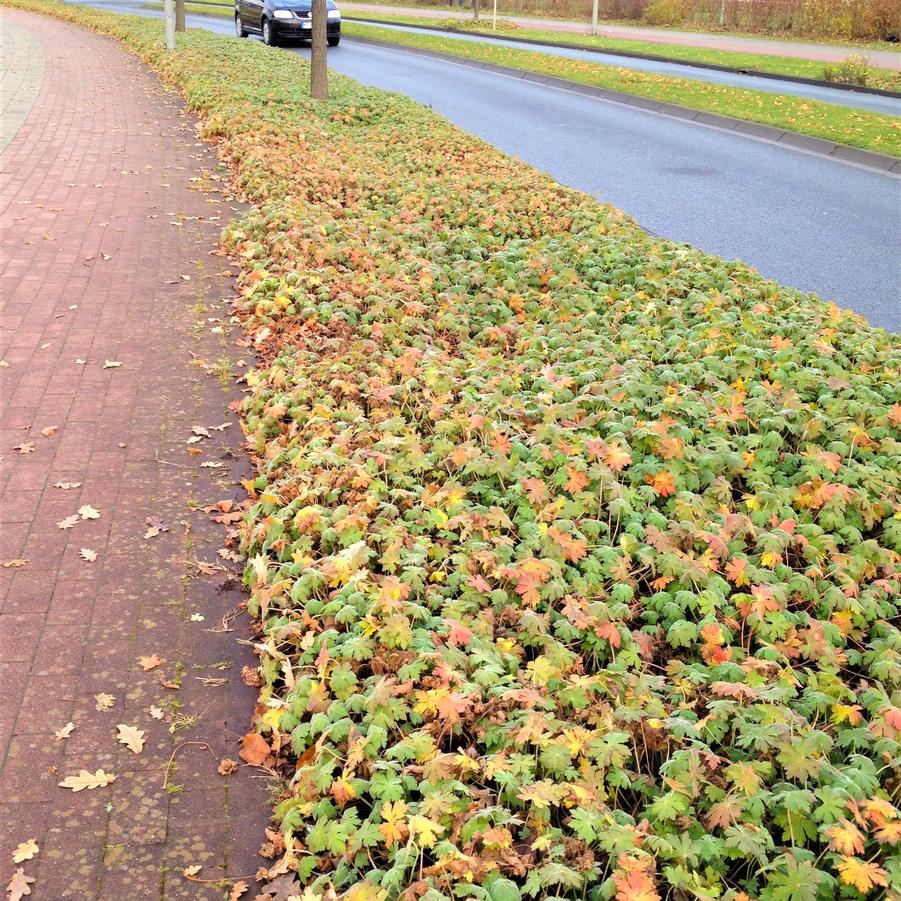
[(426, 830), (392, 827), (862, 874)]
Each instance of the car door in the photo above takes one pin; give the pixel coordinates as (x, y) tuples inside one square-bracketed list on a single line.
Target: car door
[(253, 13)]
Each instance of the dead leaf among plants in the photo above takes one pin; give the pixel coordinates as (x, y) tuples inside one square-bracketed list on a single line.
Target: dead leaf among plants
[(254, 749)]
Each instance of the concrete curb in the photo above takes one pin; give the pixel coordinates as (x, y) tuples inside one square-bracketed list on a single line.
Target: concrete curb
[(840, 153), (797, 79)]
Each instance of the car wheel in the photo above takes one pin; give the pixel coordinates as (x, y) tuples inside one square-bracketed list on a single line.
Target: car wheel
[(239, 28), (333, 42), (269, 34)]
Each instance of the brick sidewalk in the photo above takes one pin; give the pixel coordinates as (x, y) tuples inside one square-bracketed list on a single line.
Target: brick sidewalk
[(105, 256)]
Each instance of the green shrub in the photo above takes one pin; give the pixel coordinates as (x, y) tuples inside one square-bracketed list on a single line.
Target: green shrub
[(666, 12), (854, 69)]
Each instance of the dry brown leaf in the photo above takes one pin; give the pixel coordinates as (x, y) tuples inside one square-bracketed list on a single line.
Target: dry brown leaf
[(131, 737), (188, 872), (87, 779), (103, 701), (66, 486), (209, 464), (86, 511), (151, 662), (111, 364), (14, 564), (155, 712), (26, 850), (254, 749), (19, 886), (226, 766), (167, 683), (69, 522), (49, 431), (88, 554), (27, 447), (238, 889), (65, 732)]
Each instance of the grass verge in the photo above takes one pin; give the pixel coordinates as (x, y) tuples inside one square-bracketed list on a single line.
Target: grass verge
[(574, 552), (843, 125), (750, 62)]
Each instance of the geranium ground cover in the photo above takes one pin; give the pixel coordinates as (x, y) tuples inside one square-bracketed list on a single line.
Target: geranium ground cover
[(574, 551)]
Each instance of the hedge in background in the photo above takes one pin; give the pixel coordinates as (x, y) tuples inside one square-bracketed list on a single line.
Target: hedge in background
[(575, 551)]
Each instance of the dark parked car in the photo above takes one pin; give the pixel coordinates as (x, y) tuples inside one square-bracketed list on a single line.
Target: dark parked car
[(279, 20)]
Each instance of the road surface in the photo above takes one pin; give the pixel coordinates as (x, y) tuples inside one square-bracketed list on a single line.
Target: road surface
[(806, 221), (874, 102)]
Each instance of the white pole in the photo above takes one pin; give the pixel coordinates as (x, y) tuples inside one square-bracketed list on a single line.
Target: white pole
[(169, 10), (594, 17), (494, 17)]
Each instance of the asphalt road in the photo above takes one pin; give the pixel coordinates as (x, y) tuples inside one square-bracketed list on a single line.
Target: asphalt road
[(873, 102), (806, 221)]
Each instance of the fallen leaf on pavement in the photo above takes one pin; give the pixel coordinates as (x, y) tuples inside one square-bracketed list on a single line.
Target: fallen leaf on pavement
[(200, 431), (167, 683), (69, 522), (111, 364), (238, 889), (81, 362), (49, 431), (131, 737), (155, 712), (103, 701), (188, 872), (88, 554), (226, 766), (151, 662), (209, 464), (19, 886), (87, 779), (65, 732), (88, 512), (197, 617), (25, 851), (67, 486), (13, 564), (27, 447), (254, 749)]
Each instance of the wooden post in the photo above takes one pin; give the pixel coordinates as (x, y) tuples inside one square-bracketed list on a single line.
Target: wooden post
[(318, 64), (169, 15), (179, 15), (475, 10)]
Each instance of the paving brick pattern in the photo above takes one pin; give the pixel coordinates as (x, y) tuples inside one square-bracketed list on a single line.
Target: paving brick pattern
[(109, 211)]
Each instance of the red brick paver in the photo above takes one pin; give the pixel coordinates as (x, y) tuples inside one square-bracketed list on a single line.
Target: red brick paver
[(105, 255)]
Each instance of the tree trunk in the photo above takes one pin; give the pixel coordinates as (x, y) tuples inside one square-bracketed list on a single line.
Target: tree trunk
[(179, 15), (475, 10), (318, 66)]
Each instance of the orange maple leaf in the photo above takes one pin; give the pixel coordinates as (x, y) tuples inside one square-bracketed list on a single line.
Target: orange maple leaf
[(862, 874)]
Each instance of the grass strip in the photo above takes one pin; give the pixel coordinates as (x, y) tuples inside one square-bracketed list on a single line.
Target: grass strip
[(886, 79), (843, 125), (574, 553)]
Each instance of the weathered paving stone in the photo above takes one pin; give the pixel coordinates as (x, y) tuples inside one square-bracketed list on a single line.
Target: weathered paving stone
[(97, 166)]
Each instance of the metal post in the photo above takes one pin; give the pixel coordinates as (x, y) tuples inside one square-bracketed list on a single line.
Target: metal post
[(594, 17), (169, 10), (494, 17)]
